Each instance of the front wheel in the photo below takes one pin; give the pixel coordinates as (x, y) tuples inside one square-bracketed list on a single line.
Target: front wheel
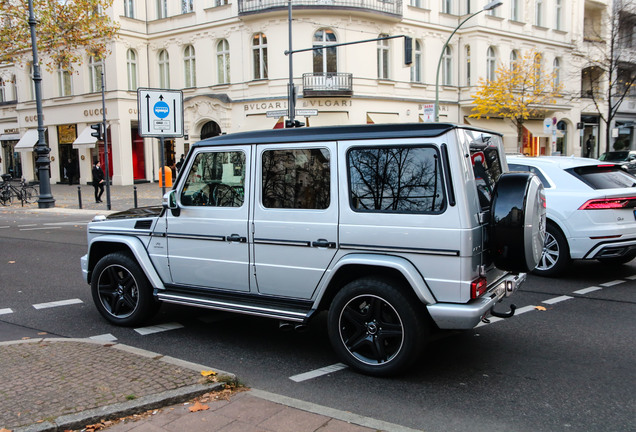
[(556, 253), (375, 327), (121, 291), (5, 197), (30, 194)]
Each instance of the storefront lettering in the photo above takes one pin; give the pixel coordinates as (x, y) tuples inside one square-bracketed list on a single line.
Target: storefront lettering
[(131, 110), (327, 103), (320, 103), (265, 106), (32, 118), (94, 112), (12, 131)]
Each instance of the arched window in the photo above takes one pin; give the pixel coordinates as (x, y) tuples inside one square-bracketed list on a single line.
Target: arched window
[(95, 74), (3, 96), (447, 67), (259, 55), (131, 69), (468, 65), (562, 137), (514, 57), (164, 69), (491, 64), (538, 69), (64, 81), (383, 57), (556, 70), (326, 59), (223, 61), (210, 129), (416, 68), (189, 63)]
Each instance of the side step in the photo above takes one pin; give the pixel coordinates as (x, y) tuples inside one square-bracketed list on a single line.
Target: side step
[(243, 303)]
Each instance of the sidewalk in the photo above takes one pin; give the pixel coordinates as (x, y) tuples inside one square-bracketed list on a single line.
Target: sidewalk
[(68, 384)]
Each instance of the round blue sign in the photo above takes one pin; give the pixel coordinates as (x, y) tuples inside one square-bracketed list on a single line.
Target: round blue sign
[(161, 109)]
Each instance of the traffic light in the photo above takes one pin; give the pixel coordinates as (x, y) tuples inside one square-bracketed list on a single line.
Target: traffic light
[(98, 131), (408, 50)]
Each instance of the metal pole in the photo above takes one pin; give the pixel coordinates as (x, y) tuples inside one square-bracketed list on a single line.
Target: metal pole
[(79, 196), (105, 137), (42, 151), (291, 99), (162, 169)]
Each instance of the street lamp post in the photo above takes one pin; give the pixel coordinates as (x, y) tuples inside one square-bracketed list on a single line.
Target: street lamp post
[(492, 5), (42, 151)]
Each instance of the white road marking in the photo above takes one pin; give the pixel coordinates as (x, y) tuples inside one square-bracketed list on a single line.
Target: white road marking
[(27, 225), (157, 328), (7, 226), (633, 277), (57, 303), (318, 372), (557, 299), (517, 312), (525, 309), (104, 338), (587, 290), (40, 228), (5, 311), (612, 283), (66, 223)]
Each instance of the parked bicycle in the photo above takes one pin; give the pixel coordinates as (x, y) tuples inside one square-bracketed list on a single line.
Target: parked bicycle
[(24, 193)]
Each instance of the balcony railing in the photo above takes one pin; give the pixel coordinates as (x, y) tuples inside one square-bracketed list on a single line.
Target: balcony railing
[(327, 84), (389, 7)]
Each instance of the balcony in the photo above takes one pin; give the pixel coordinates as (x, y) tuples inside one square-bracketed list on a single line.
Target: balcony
[(388, 7), (329, 84)]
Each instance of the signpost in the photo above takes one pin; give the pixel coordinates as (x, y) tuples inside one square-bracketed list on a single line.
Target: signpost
[(298, 113), (429, 113), (160, 114)]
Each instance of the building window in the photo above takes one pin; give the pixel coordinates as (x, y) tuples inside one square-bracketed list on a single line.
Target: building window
[(416, 68), (491, 64), (129, 8), (187, 6), (468, 65), (383, 58), (259, 54), (556, 70), (538, 18), (221, 2), (514, 10), (64, 81), (326, 59), (415, 3), (447, 6), (3, 96), (131, 69), (538, 69), (162, 9), (558, 13), (223, 61), (95, 74), (32, 86), (189, 62), (164, 69), (514, 56), (447, 67)]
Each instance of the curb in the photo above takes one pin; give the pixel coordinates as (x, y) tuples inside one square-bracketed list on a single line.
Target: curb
[(122, 409)]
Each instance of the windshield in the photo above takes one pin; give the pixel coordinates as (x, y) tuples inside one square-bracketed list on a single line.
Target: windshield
[(604, 177)]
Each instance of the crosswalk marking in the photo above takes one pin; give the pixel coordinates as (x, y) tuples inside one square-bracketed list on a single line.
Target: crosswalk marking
[(157, 328), (5, 311), (557, 299), (587, 290), (57, 303), (612, 283), (104, 338), (318, 372)]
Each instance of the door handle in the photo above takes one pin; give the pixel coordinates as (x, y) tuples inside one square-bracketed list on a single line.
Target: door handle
[(322, 243), (236, 238)]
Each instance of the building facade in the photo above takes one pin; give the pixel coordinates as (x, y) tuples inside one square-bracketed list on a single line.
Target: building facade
[(229, 59)]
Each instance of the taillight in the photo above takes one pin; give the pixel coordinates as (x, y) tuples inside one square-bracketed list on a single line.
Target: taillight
[(478, 287), (609, 203)]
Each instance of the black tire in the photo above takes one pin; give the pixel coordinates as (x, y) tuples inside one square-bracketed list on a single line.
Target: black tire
[(30, 194), (5, 197), (375, 328), (517, 222), (556, 253), (121, 291)]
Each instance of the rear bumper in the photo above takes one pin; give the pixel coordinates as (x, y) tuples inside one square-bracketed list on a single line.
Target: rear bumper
[(612, 249), (458, 316)]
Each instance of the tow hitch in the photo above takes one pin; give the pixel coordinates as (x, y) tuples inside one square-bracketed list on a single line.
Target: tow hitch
[(494, 313)]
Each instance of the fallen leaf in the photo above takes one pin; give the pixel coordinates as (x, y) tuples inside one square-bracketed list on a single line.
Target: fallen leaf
[(208, 373), (541, 308), (25, 338), (198, 406), (4, 430), (11, 262), (42, 333)]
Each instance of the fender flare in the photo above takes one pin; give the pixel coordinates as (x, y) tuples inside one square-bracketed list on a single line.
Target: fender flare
[(139, 253), (402, 265)]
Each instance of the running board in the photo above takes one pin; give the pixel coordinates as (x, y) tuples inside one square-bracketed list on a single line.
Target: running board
[(225, 304)]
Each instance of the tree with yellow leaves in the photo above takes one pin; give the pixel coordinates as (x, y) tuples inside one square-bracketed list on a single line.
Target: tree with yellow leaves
[(519, 92), (66, 29)]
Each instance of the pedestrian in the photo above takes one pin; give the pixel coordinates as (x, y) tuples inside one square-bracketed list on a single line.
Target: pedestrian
[(70, 171), (98, 181), (180, 163), (588, 147)]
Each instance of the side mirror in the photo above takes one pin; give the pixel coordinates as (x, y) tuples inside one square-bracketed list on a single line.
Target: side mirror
[(170, 202)]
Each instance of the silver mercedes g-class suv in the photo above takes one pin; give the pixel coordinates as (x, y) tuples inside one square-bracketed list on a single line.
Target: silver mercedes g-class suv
[(394, 230)]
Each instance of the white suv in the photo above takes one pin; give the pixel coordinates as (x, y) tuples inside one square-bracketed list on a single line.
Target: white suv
[(396, 230)]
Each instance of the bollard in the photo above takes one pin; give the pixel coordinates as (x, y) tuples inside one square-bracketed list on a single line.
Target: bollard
[(135, 195), (79, 196)]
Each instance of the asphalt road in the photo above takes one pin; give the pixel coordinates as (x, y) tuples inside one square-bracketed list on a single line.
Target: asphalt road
[(569, 367)]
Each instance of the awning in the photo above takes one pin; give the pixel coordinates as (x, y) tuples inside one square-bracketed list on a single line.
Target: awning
[(379, 118), (9, 137), (503, 126), (85, 139), (329, 118), (28, 140), (535, 128)]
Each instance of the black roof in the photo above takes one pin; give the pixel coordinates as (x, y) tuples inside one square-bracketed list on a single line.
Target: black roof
[(333, 133)]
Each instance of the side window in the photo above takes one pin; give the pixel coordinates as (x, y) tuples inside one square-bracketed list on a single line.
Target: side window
[(396, 179), (484, 156), (296, 179), (216, 179)]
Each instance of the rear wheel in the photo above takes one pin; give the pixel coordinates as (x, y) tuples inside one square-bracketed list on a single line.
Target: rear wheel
[(556, 253), (121, 291), (5, 197), (375, 327), (30, 194)]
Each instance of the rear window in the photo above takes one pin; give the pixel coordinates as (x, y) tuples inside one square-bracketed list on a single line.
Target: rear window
[(484, 156), (603, 177)]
